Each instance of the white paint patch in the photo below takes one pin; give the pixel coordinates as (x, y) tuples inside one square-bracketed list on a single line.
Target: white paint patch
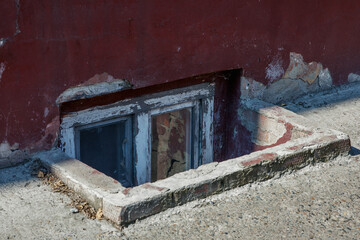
[(178, 49), (2, 69), (6, 149), (274, 70), (352, 77), (2, 42), (46, 112), (97, 115)]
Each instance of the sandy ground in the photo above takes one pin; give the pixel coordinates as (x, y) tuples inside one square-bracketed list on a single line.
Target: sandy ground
[(320, 202)]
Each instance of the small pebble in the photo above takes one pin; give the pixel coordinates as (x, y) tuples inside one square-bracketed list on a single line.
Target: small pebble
[(74, 210)]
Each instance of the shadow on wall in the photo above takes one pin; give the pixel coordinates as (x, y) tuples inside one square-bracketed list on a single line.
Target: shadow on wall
[(231, 138)]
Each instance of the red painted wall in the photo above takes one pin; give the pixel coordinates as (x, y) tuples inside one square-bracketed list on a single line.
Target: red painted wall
[(49, 45)]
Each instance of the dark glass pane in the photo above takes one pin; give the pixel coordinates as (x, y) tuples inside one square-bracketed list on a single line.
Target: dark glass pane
[(104, 148), (171, 143)]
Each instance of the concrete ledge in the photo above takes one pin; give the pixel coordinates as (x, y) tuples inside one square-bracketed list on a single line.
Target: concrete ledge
[(85, 180), (307, 145)]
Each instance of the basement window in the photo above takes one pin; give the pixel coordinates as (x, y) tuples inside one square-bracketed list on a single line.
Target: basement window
[(144, 139), (172, 142)]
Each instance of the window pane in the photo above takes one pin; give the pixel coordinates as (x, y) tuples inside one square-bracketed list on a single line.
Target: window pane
[(104, 148), (171, 143)]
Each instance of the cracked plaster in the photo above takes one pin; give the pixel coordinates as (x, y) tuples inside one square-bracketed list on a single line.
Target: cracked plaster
[(98, 85), (299, 79)]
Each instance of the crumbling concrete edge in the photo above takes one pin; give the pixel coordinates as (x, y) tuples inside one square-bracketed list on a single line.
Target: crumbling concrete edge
[(91, 184), (123, 206), (226, 175)]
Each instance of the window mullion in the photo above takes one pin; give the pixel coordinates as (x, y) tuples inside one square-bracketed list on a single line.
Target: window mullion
[(207, 129), (143, 148)]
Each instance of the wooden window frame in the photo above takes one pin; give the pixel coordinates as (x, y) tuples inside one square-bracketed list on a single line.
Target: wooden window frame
[(200, 97)]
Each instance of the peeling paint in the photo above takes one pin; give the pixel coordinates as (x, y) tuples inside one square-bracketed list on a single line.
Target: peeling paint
[(2, 42), (143, 169), (352, 77), (174, 99), (299, 79), (98, 85), (274, 70), (325, 79), (6, 149), (298, 69), (2, 70), (46, 112)]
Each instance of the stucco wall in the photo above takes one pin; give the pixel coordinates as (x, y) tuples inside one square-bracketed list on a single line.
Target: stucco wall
[(48, 46)]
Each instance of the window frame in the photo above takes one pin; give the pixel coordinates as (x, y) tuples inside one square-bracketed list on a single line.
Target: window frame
[(141, 109)]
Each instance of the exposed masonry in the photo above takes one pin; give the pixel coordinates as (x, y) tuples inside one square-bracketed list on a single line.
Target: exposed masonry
[(302, 144), (299, 78)]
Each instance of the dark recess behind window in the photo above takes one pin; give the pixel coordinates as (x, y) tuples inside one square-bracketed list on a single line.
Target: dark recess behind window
[(102, 148)]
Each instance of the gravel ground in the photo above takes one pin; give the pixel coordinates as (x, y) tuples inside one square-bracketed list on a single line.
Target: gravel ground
[(320, 202)]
